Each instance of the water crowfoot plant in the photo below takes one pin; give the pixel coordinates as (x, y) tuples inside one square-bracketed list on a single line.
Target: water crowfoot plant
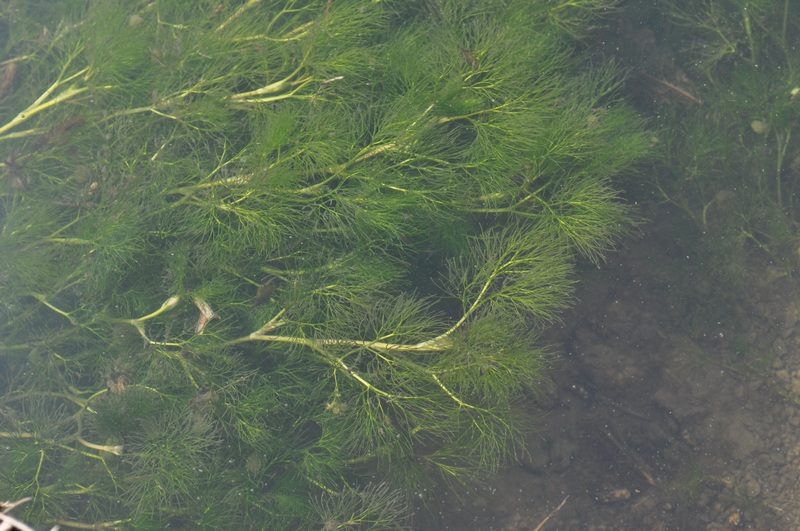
[(282, 264)]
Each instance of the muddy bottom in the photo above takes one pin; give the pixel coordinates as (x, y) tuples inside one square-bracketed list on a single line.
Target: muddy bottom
[(669, 409)]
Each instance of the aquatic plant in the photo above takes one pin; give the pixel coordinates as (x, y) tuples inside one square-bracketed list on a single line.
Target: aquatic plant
[(270, 259), (733, 159)]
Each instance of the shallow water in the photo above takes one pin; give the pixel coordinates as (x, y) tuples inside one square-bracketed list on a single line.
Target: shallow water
[(660, 417)]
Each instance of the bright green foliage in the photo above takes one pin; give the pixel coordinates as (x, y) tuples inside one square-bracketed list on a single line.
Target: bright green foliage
[(269, 259)]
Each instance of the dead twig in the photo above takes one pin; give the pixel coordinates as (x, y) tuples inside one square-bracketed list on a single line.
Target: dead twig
[(549, 516), (674, 88)]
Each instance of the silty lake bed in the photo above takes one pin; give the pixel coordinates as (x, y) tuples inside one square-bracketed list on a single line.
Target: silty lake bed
[(670, 407)]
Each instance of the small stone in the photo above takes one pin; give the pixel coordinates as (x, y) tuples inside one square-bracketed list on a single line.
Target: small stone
[(759, 127), (614, 495), (135, 20), (752, 487)]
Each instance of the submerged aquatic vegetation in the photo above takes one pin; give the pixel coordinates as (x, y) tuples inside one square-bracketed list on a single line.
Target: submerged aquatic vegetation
[(732, 161), (269, 259)]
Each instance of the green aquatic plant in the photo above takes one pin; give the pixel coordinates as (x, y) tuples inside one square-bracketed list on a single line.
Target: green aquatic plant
[(270, 259), (733, 158)]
